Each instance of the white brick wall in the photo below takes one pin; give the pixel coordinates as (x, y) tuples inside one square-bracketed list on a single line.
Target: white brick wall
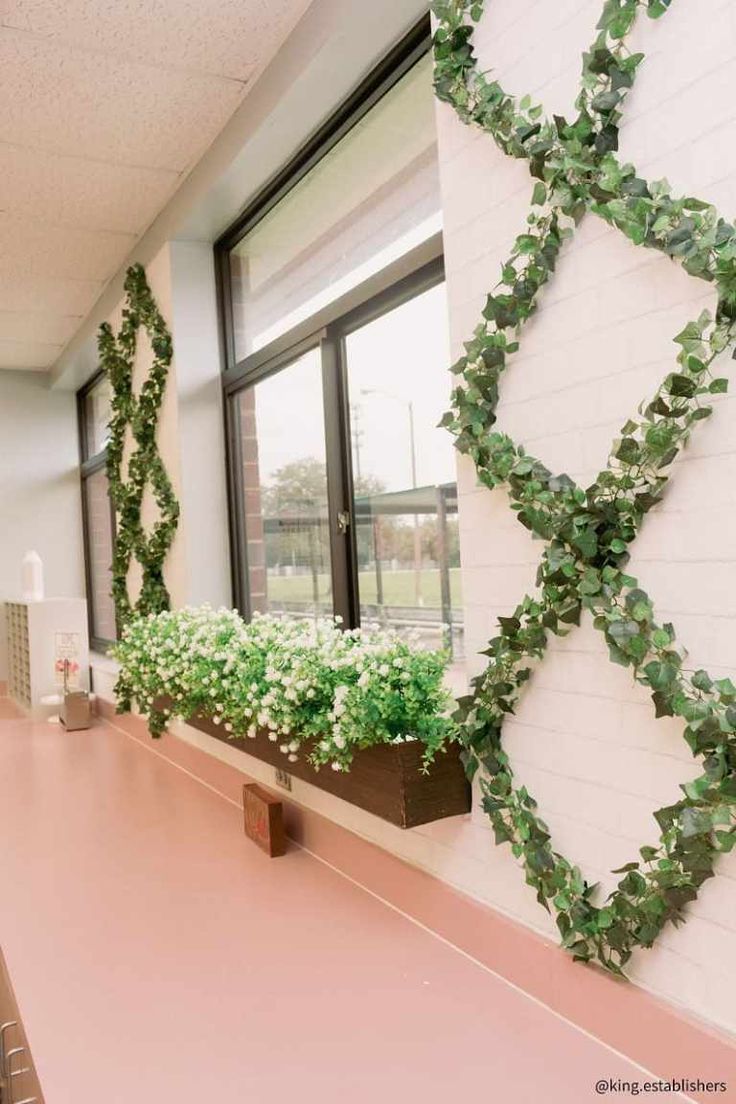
[(585, 739)]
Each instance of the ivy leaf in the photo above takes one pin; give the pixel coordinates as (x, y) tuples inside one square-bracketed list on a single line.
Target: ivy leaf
[(682, 386), (660, 675), (625, 869), (606, 917), (605, 101), (694, 822), (539, 195), (662, 705), (628, 451), (623, 631), (587, 543)]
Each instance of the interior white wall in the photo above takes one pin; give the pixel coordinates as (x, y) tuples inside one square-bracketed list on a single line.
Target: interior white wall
[(200, 424), (585, 739), (40, 505)]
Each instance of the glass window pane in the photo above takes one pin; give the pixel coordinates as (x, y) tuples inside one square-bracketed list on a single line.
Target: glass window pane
[(404, 473), (370, 200), (97, 414), (99, 552), (285, 491)]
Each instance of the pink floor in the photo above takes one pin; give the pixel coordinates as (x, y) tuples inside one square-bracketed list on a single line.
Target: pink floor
[(158, 956)]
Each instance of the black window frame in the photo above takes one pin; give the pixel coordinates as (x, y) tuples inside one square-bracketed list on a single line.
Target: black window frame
[(90, 465), (418, 270)]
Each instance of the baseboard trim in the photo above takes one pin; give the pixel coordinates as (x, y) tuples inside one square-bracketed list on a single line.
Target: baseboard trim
[(647, 1030)]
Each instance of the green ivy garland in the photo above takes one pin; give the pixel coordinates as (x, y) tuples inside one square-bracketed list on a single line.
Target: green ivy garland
[(588, 531), (145, 467)]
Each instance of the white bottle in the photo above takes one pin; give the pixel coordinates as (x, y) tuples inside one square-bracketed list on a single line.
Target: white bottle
[(32, 577)]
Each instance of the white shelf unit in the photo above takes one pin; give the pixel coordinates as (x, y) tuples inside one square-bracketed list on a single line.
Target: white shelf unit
[(40, 636)]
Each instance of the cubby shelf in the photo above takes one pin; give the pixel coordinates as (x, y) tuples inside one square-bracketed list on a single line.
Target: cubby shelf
[(39, 636)]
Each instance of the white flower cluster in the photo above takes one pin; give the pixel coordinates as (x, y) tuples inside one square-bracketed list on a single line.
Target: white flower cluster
[(300, 681)]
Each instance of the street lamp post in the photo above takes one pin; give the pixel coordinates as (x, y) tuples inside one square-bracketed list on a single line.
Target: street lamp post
[(418, 597)]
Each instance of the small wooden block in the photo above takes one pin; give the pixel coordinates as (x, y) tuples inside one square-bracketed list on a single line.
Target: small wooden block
[(264, 820)]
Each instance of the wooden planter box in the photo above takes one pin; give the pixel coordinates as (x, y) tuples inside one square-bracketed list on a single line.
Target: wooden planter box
[(385, 780)]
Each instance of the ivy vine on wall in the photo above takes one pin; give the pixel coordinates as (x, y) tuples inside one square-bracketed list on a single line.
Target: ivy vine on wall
[(588, 531), (139, 414)]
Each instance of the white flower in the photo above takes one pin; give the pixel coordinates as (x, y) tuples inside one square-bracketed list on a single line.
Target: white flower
[(279, 674)]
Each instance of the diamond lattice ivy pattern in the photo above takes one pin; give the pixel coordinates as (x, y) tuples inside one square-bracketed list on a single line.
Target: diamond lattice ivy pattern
[(588, 531), (139, 414)]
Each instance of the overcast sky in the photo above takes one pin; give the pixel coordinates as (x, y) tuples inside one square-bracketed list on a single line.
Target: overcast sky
[(401, 357)]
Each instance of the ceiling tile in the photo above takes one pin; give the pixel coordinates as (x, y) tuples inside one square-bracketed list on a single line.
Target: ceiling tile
[(77, 191), (38, 326), (93, 105), (28, 355), (25, 291), (104, 106), (51, 251), (228, 37)]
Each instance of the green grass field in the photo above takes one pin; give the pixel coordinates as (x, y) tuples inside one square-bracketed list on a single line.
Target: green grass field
[(398, 588)]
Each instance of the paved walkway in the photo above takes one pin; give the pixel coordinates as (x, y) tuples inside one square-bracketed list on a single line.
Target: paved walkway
[(158, 956)]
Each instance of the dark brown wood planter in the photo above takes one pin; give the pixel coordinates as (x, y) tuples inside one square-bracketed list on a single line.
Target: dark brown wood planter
[(385, 780)]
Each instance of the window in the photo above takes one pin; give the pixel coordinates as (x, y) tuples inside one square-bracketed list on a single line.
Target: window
[(404, 489), (98, 516), (343, 490), (366, 202), (284, 490)]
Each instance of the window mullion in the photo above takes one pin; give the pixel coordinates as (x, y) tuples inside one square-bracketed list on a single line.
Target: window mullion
[(339, 480), (236, 491)]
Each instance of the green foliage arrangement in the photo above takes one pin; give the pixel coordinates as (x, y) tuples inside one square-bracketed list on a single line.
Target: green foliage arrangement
[(588, 531), (145, 467), (296, 679)]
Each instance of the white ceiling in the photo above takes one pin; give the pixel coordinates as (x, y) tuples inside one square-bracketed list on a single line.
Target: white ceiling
[(105, 106)]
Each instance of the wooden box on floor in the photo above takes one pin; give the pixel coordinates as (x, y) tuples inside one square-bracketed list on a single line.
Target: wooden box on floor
[(263, 816)]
